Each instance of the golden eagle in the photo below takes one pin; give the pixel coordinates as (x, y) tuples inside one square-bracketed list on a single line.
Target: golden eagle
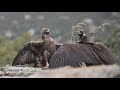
[(33, 53), (29, 54)]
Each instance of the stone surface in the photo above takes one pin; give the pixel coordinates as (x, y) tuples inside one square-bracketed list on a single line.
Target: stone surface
[(1, 73), (101, 71)]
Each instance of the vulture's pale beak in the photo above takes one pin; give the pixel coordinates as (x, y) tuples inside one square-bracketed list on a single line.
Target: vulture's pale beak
[(79, 32)]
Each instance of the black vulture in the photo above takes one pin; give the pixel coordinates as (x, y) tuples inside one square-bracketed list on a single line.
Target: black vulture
[(76, 54), (82, 38), (82, 52)]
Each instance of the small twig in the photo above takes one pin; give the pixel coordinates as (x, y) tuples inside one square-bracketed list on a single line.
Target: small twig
[(97, 29)]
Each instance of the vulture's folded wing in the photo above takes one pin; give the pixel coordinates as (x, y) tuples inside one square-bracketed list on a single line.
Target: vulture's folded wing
[(70, 55), (76, 54), (104, 53)]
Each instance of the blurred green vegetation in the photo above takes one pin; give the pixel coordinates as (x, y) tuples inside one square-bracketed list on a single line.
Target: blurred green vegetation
[(9, 48), (113, 42)]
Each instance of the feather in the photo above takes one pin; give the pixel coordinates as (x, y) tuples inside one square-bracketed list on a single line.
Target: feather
[(75, 54), (32, 53), (29, 54)]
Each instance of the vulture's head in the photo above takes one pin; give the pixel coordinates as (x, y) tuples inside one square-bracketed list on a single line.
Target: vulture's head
[(45, 33), (80, 32)]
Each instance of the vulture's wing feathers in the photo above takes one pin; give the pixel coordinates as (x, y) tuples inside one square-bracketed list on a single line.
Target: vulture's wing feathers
[(104, 53), (76, 54), (28, 54), (68, 55)]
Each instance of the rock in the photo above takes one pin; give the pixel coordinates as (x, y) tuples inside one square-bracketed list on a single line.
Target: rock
[(19, 71), (1, 73), (99, 71), (102, 71)]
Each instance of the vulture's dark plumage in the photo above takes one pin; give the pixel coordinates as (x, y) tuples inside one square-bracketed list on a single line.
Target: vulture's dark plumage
[(36, 52), (33, 53), (29, 54), (75, 54)]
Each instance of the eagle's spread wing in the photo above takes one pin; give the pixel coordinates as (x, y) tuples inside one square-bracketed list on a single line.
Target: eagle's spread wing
[(75, 54), (29, 54)]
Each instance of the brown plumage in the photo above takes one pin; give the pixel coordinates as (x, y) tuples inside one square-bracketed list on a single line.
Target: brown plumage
[(75, 54), (29, 54), (82, 38), (36, 52), (33, 53), (64, 55)]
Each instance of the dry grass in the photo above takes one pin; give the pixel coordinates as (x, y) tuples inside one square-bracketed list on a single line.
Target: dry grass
[(94, 31), (80, 27)]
